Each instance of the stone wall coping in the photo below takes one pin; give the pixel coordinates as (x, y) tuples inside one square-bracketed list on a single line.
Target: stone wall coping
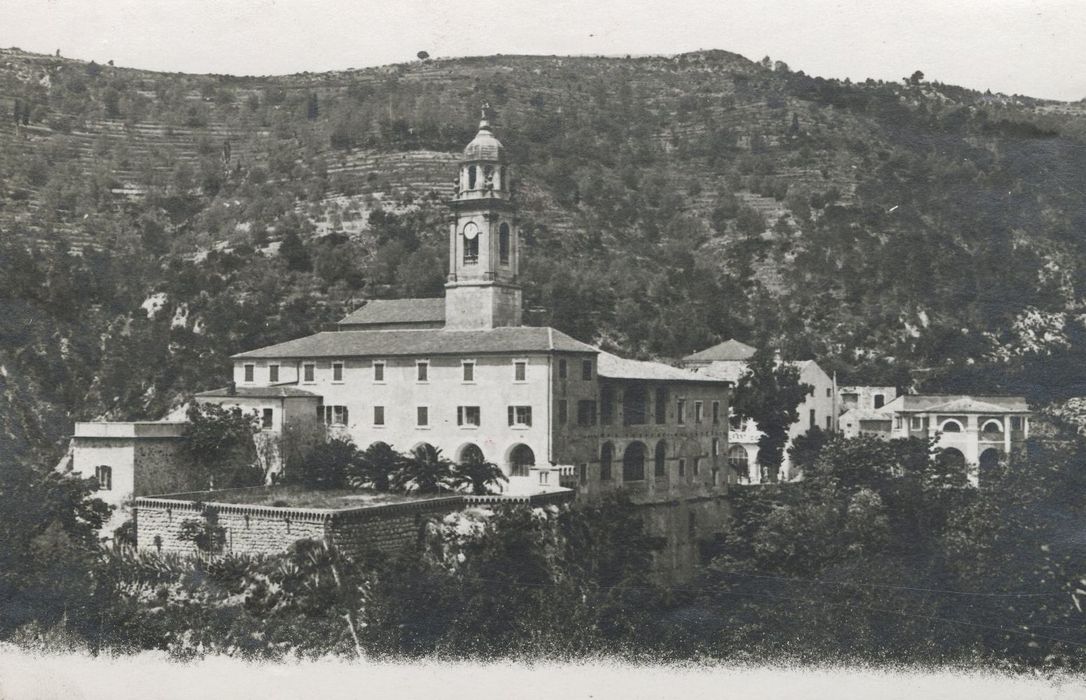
[(322, 515), (535, 499)]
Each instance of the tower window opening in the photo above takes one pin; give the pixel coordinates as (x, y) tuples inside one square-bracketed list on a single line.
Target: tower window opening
[(472, 175), (503, 243), (471, 250)]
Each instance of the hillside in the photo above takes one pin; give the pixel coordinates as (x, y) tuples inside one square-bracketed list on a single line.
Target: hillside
[(151, 224)]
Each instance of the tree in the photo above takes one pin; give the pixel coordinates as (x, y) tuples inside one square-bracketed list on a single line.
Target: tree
[(293, 251), (328, 464), (769, 393), (806, 448), (375, 467), (481, 476), (220, 443), (423, 55), (916, 78), (50, 523), (424, 471)]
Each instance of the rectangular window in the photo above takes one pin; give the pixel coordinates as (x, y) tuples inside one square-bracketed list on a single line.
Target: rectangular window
[(660, 409), (716, 413), (422, 416), (469, 370), (467, 415), (266, 419), (697, 466), (273, 373), (378, 371), (606, 404), (520, 415), (680, 412), (562, 369), (698, 411), (308, 372), (378, 415), (520, 371), (811, 414), (586, 370), (716, 446), (104, 476), (897, 422), (563, 412), (829, 392), (1016, 422), (879, 400), (335, 415), (917, 423), (337, 371), (827, 423), (422, 371), (249, 372), (682, 467), (586, 412), (584, 474)]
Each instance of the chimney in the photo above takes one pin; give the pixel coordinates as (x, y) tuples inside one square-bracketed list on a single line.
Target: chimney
[(232, 388)]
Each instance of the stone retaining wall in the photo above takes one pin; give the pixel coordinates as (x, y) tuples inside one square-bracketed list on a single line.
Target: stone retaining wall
[(257, 529)]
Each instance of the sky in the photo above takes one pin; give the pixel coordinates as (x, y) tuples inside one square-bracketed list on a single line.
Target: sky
[(1032, 47)]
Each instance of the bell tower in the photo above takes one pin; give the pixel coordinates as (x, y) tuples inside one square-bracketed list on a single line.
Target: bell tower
[(483, 289)]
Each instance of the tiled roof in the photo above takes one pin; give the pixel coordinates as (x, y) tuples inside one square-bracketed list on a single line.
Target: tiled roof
[(957, 403), (728, 370), (432, 341), (385, 311), (728, 350), (259, 392), (865, 414), (614, 367)]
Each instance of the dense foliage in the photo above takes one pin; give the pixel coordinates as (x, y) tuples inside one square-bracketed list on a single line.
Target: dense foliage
[(882, 228), (882, 554), (338, 463)]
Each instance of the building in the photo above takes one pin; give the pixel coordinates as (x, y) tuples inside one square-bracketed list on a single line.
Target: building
[(129, 459), (728, 361), (464, 374), (977, 431)]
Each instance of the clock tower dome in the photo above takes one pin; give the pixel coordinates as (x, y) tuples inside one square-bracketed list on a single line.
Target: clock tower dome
[(483, 289)]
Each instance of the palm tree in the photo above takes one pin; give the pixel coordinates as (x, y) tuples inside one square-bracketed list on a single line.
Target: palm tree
[(376, 466), (425, 470), (479, 474)]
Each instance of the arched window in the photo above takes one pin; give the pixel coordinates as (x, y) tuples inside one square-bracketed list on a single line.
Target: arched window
[(951, 457), (737, 460), (471, 454), (951, 426), (992, 427), (503, 243), (988, 465), (521, 458), (471, 243), (660, 460), (633, 462), (472, 176), (104, 475), (607, 456)]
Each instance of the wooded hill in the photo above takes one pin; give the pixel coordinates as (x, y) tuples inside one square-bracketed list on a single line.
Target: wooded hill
[(910, 233)]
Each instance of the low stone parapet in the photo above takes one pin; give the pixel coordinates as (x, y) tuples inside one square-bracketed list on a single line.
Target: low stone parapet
[(167, 524)]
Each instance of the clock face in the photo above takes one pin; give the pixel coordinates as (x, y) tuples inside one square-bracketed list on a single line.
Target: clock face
[(471, 231)]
